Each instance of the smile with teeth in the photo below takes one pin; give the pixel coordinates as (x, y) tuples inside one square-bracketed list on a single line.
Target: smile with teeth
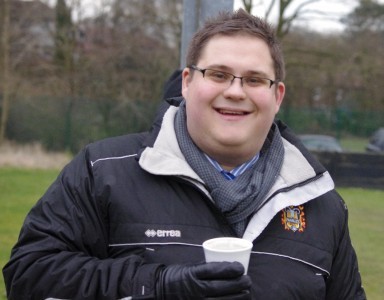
[(231, 112)]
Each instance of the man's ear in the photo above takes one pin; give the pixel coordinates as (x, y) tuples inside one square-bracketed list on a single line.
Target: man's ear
[(186, 76), (279, 94)]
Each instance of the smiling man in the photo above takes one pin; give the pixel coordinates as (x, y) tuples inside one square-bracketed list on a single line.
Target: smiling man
[(231, 103), (127, 217)]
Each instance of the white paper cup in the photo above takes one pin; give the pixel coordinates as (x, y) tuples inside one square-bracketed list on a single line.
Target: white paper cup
[(228, 249)]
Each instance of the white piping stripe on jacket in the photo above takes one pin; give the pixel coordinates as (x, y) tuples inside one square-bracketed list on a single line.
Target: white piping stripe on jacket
[(196, 245), (150, 244), (293, 258), (112, 158)]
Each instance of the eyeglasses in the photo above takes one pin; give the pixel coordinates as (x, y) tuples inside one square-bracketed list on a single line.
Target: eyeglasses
[(226, 79)]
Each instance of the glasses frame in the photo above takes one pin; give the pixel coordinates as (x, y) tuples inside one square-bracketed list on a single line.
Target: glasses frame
[(194, 67)]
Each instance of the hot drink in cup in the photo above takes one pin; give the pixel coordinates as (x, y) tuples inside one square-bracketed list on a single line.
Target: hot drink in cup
[(228, 249)]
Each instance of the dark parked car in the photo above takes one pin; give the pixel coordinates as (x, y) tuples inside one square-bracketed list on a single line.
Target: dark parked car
[(376, 143), (318, 142)]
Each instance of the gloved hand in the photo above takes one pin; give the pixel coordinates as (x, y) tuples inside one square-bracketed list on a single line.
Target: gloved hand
[(217, 280)]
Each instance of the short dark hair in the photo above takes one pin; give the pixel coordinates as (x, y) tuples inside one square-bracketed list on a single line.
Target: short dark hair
[(232, 23)]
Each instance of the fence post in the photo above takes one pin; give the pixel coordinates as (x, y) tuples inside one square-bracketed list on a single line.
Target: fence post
[(195, 12)]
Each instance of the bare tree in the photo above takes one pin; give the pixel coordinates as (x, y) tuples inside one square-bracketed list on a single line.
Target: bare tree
[(5, 69), (368, 15), (248, 4), (114, 64), (65, 41), (285, 13), (285, 21)]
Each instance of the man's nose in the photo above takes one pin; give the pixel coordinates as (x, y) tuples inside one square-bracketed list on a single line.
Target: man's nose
[(236, 89)]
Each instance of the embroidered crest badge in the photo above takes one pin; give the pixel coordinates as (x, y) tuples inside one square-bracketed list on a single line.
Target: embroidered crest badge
[(293, 218)]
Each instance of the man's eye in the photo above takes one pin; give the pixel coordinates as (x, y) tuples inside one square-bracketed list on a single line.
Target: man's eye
[(219, 76), (254, 80)]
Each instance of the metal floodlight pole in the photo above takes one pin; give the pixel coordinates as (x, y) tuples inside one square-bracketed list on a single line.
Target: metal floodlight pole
[(195, 12)]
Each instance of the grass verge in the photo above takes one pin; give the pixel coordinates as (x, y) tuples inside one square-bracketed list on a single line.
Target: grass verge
[(366, 213), (19, 190), (354, 144)]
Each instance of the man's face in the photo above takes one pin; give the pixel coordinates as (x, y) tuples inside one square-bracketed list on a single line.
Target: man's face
[(230, 123)]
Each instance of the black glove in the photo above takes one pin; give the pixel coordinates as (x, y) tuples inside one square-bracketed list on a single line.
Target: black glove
[(218, 280)]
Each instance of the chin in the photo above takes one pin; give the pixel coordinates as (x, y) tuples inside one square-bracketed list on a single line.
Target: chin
[(233, 141)]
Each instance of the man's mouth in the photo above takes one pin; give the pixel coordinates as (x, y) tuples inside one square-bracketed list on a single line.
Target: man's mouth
[(231, 112)]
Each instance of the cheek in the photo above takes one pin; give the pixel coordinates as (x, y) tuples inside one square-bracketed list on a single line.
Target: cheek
[(196, 123), (203, 94), (198, 102), (266, 102), (195, 113), (199, 90), (198, 106)]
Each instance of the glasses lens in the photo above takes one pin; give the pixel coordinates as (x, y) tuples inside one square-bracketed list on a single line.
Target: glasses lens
[(218, 76), (256, 82)]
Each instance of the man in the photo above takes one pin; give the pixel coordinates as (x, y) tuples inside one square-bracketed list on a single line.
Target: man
[(127, 217)]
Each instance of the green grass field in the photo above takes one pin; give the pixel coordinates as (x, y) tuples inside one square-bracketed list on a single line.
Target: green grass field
[(20, 189), (354, 144), (366, 221)]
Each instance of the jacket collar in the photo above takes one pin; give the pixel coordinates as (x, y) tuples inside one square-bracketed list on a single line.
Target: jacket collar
[(164, 157), (161, 154), (301, 178)]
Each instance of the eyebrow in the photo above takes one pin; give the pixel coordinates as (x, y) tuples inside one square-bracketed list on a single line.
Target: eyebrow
[(227, 69)]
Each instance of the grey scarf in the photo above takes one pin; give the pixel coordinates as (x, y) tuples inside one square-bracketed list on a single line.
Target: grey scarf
[(240, 198)]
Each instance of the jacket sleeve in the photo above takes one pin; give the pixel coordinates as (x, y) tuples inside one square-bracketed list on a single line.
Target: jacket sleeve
[(62, 251), (345, 280)]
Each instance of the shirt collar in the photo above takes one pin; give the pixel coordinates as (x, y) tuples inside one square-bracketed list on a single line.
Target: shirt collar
[(231, 175)]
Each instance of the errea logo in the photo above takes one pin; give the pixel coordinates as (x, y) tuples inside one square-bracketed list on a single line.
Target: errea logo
[(163, 233)]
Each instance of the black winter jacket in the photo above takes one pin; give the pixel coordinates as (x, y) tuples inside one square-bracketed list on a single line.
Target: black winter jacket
[(127, 205)]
